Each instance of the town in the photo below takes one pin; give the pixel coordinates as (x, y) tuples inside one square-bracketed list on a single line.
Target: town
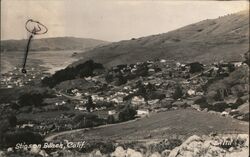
[(125, 92)]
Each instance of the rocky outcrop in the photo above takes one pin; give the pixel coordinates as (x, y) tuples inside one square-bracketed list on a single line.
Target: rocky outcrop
[(221, 145)]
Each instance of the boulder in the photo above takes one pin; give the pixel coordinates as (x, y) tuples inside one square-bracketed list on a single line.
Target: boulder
[(133, 153), (195, 140), (98, 153), (242, 153), (165, 153), (43, 153), (35, 149), (2, 154), (119, 152), (156, 154), (10, 149), (196, 107)]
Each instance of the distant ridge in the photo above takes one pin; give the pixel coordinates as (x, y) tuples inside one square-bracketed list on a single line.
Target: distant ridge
[(58, 43), (225, 38)]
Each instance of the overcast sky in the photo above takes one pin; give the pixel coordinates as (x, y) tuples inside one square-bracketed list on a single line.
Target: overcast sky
[(110, 20)]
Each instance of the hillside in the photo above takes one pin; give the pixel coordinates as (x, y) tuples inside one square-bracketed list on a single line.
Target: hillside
[(224, 38), (45, 44)]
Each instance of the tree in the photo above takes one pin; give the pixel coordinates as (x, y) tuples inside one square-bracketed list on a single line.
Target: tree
[(30, 99), (111, 119), (90, 105), (178, 93), (127, 113)]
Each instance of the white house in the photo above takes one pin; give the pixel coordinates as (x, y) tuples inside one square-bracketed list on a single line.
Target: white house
[(117, 100), (152, 102), (191, 92), (151, 70), (163, 61), (111, 112), (138, 100), (80, 108), (142, 112)]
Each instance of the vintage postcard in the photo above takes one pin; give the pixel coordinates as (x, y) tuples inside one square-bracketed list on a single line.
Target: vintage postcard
[(124, 78)]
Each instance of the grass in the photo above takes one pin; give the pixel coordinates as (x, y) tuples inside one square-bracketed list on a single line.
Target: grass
[(183, 122)]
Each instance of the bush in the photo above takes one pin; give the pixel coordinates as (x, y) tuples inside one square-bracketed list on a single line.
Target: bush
[(21, 136), (31, 99), (82, 70), (34, 97), (178, 93), (111, 119), (127, 113)]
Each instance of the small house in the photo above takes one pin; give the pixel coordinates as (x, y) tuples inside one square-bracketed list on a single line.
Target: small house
[(111, 112), (142, 112)]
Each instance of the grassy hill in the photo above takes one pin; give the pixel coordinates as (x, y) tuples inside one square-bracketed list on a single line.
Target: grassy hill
[(225, 38), (45, 44), (161, 125)]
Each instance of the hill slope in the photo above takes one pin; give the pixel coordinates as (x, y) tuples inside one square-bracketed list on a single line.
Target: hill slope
[(207, 41), (59, 43)]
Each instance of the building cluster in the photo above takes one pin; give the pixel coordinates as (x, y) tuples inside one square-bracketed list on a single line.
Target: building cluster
[(16, 78)]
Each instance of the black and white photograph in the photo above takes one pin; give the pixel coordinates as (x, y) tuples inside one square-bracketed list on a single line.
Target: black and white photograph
[(124, 78)]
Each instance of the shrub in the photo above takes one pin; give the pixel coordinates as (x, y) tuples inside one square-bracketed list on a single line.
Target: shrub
[(111, 119), (31, 99), (178, 93), (21, 136), (127, 113), (81, 70)]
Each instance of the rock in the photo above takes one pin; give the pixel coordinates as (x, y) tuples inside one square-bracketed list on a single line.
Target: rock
[(35, 149), (231, 149), (165, 153), (205, 110), (196, 107), (243, 153), (119, 152), (244, 137), (174, 152), (215, 151), (98, 153), (2, 154), (192, 138), (133, 153), (224, 113), (156, 154), (43, 153), (206, 144), (55, 154), (195, 140), (10, 149), (209, 146)]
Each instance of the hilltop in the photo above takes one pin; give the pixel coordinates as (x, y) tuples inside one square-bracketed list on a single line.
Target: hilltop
[(225, 38), (58, 43)]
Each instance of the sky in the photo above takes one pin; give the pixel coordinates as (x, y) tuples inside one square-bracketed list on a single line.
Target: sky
[(110, 20)]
